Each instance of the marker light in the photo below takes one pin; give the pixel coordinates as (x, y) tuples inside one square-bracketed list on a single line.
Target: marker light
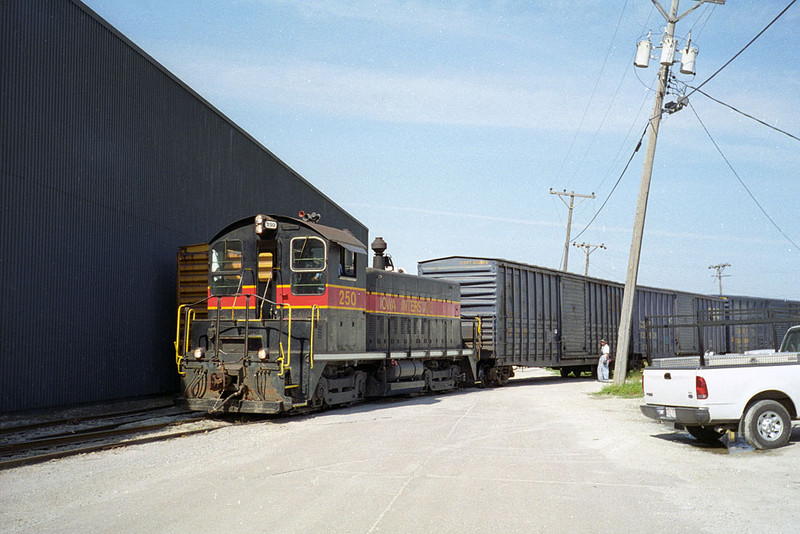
[(262, 354), (198, 353)]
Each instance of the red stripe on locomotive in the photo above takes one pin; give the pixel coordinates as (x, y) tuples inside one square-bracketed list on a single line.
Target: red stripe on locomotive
[(233, 302)]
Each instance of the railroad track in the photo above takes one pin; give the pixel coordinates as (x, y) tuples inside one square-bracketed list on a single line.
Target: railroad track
[(48, 440)]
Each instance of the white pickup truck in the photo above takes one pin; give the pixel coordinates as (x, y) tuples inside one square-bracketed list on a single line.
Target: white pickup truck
[(757, 395)]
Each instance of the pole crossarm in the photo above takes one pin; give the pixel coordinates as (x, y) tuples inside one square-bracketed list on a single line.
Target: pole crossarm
[(589, 249), (672, 18), (720, 267), (571, 206)]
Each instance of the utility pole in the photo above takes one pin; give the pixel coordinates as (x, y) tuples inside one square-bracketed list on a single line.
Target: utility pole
[(720, 268), (589, 249), (571, 205), (668, 49)]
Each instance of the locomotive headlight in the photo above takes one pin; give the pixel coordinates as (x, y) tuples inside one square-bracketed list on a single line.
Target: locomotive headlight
[(259, 219), (199, 352), (262, 354)]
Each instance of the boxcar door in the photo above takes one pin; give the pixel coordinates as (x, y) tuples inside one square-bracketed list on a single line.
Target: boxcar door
[(573, 318)]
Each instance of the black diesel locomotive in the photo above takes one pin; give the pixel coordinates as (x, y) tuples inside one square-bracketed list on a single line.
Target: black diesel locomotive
[(293, 319)]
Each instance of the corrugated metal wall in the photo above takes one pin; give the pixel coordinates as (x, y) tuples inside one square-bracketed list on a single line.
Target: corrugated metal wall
[(109, 164)]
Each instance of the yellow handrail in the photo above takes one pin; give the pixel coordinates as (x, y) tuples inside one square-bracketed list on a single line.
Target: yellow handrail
[(178, 356), (314, 310), (189, 318), (286, 359)]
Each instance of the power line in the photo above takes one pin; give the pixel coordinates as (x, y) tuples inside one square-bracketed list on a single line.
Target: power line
[(743, 113), (745, 47), (613, 98), (594, 90), (742, 181), (635, 150)]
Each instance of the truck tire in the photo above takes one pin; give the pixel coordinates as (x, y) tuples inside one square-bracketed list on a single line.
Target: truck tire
[(767, 425), (704, 434)]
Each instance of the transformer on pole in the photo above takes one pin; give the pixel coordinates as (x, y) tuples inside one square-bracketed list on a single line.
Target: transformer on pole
[(668, 42)]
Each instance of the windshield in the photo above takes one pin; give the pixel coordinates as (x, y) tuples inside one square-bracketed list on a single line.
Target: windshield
[(226, 267)]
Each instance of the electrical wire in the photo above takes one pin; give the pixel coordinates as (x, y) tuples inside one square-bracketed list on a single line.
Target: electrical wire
[(594, 90), (622, 145), (742, 181), (745, 114), (613, 98), (745, 47), (635, 150)]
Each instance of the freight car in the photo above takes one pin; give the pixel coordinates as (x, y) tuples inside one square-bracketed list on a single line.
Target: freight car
[(532, 316), (294, 320)]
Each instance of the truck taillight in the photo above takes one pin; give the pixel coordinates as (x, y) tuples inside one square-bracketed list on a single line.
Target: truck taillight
[(701, 387)]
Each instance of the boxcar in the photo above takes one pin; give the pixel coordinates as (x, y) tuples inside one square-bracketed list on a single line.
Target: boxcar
[(538, 317)]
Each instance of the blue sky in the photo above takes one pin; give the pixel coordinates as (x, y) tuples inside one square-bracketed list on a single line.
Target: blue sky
[(442, 126)]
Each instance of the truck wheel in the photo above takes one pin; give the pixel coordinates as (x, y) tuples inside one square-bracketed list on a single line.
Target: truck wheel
[(767, 425), (704, 434)]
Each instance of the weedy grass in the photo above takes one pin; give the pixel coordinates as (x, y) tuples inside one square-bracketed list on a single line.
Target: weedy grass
[(632, 387)]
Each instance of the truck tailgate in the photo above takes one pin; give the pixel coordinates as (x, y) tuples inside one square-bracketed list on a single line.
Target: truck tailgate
[(670, 387)]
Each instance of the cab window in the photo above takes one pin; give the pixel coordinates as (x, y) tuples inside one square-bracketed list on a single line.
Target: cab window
[(226, 267), (347, 263), (308, 266), (308, 254)]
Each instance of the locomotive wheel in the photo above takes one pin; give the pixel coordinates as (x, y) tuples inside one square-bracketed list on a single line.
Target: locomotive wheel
[(427, 376), (318, 400), (361, 385)]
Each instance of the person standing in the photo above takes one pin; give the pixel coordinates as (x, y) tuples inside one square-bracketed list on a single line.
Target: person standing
[(602, 365)]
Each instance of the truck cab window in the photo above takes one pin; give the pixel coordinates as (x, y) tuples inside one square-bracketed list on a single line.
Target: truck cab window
[(226, 267), (792, 342)]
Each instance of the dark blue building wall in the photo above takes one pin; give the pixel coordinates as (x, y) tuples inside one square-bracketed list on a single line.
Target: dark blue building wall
[(109, 163)]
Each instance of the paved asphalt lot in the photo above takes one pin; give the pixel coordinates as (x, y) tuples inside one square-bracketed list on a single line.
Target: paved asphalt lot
[(540, 455)]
